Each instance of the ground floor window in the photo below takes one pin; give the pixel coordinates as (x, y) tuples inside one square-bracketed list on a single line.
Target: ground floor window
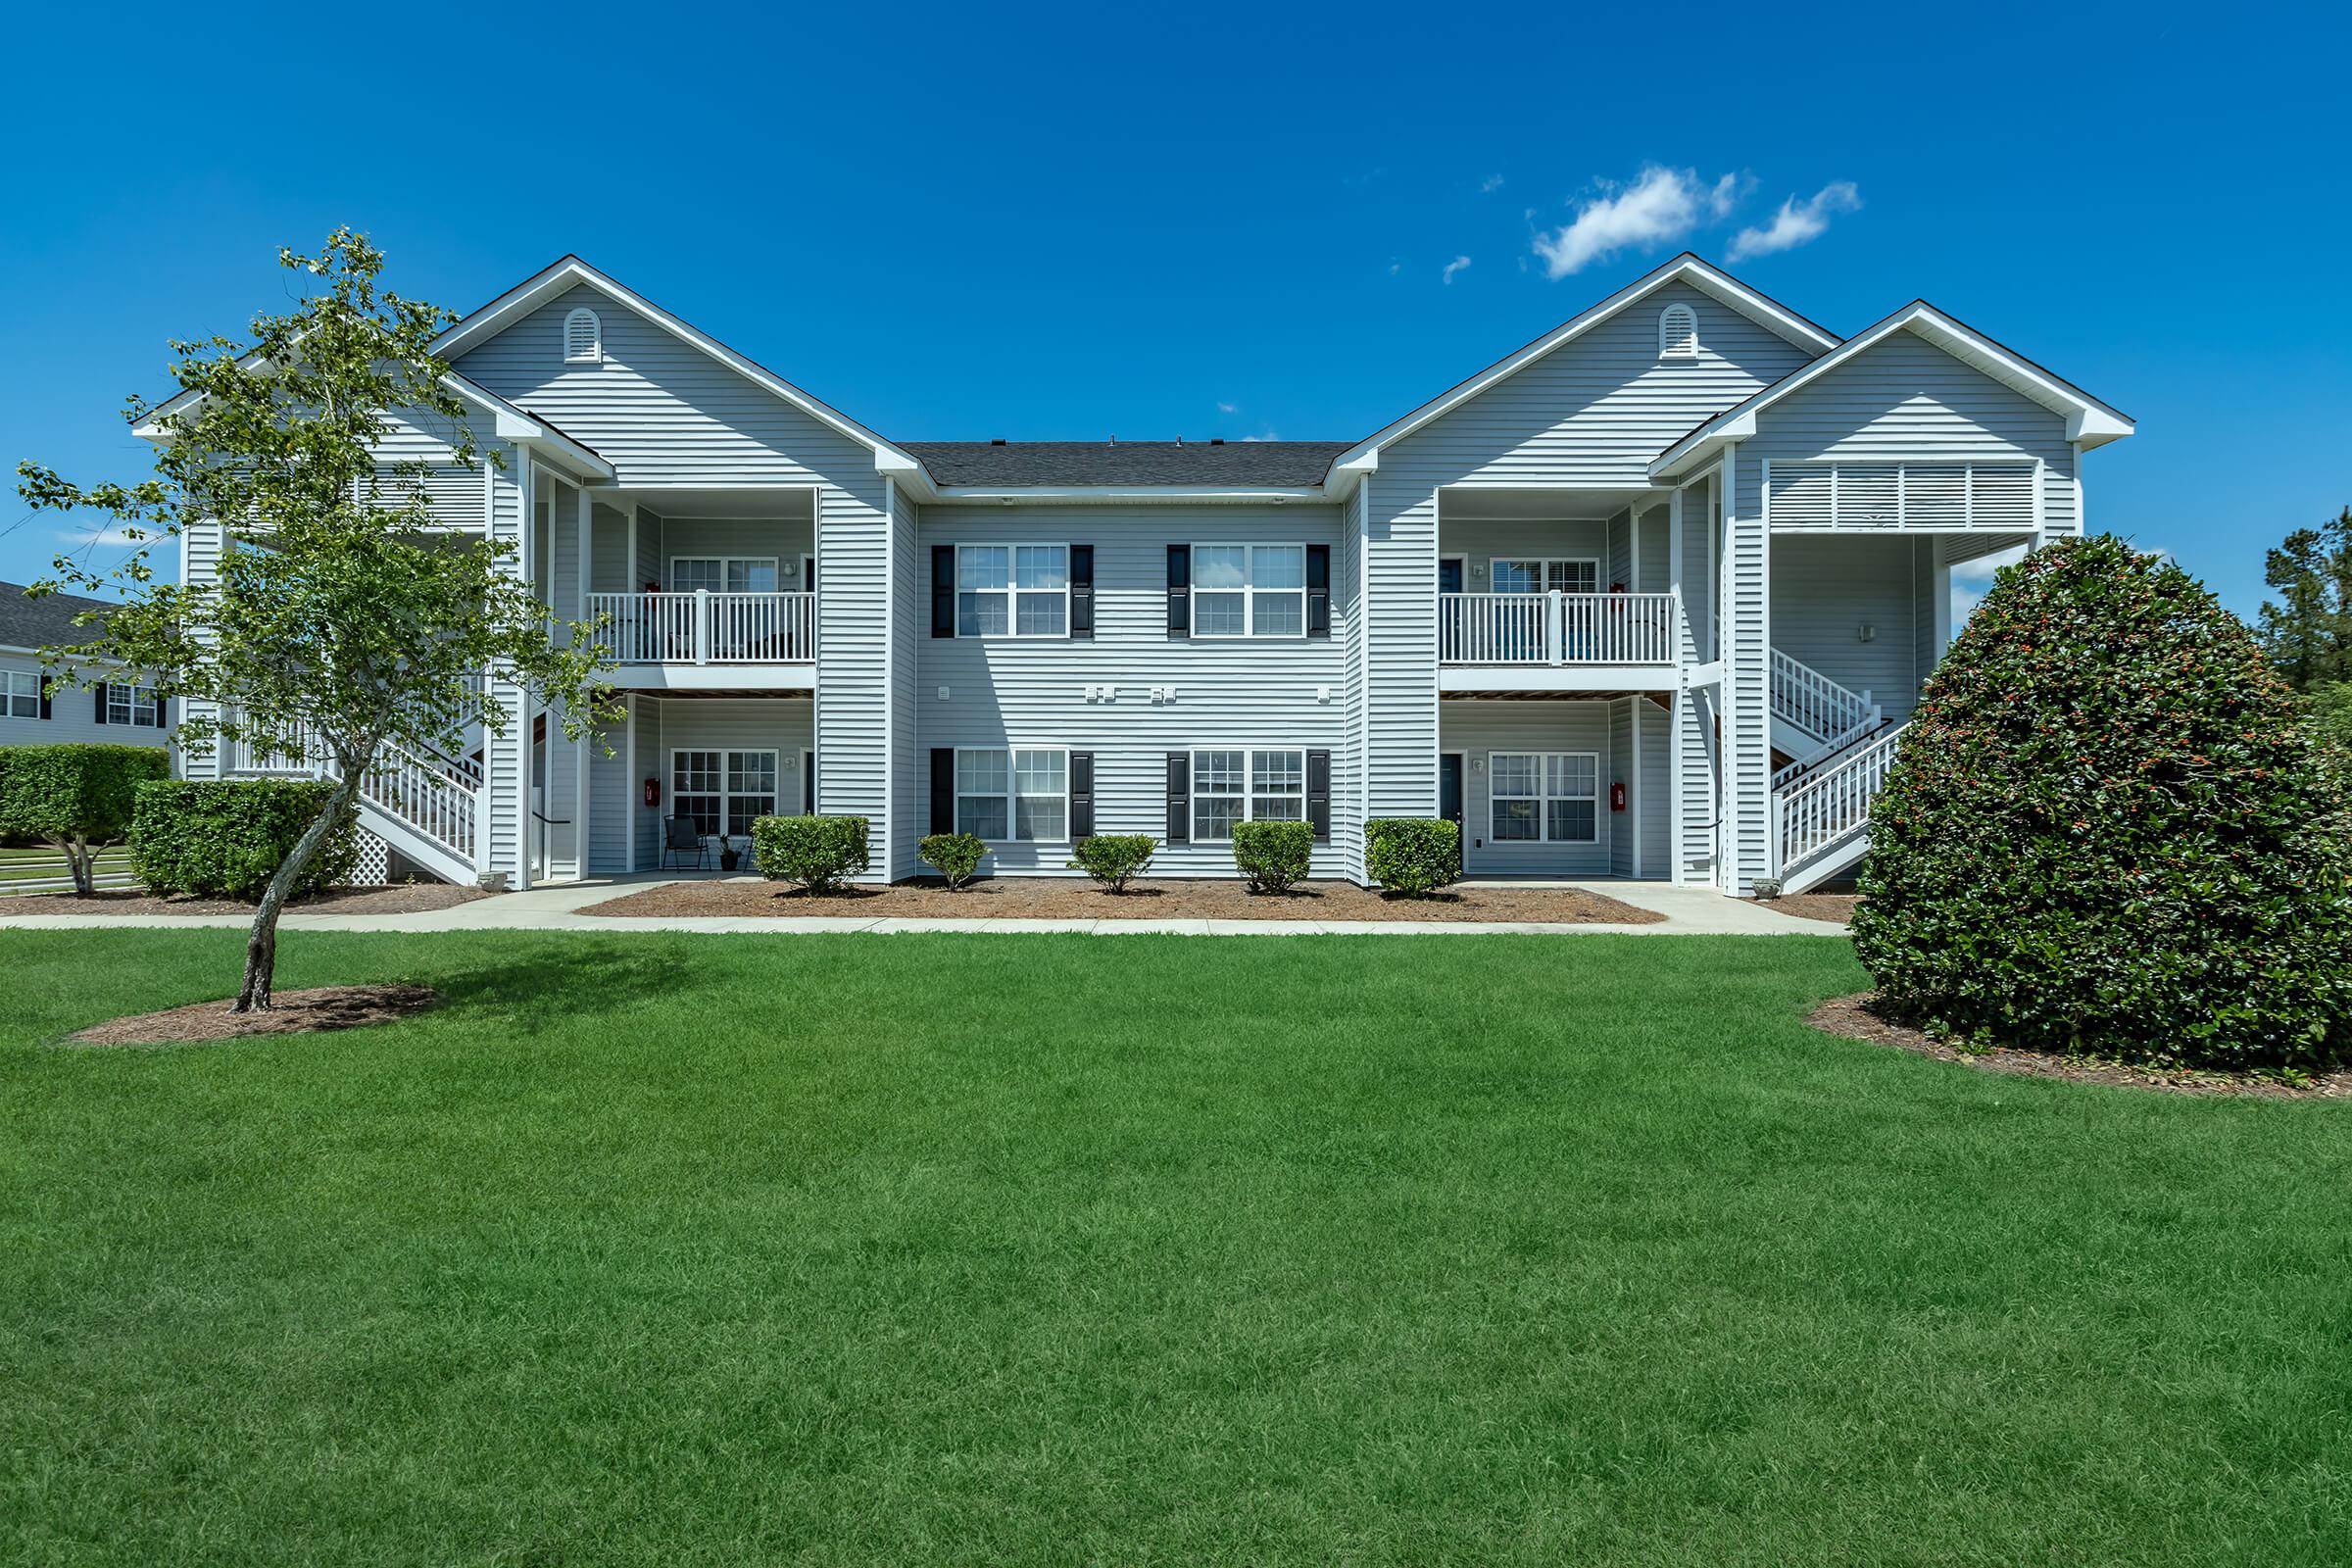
[(1013, 795), (722, 791), (1543, 797), (1245, 786), (130, 705), (19, 694)]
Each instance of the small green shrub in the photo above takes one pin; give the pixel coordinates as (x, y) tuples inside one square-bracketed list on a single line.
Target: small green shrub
[(2110, 830), (1414, 855), (226, 838), (1110, 859), (75, 799), (819, 853), (1273, 856), (956, 856)]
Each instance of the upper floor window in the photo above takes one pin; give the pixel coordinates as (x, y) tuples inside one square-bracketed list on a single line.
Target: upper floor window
[(133, 705), (19, 694), (1678, 333), (1248, 590), (1574, 574), (583, 338), (1012, 590)]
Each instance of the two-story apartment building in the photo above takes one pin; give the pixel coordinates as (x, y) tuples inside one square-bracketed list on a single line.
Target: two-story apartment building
[(122, 712), (1649, 597)]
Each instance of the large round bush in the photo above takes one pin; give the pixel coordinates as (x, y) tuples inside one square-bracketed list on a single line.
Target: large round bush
[(2109, 831)]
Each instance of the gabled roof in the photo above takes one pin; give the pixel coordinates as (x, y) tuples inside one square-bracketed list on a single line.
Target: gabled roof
[(571, 273), (513, 423), (2087, 419), (46, 621), (1684, 268), (1089, 465)]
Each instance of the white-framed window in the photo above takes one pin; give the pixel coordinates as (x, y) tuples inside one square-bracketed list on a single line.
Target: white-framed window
[(730, 574), (1543, 797), (1248, 590), (1678, 333), (130, 705), (1236, 784), (1566, 574), (583, 338), (1013, 795), (722, 791), (20, 693), (1012, 590)]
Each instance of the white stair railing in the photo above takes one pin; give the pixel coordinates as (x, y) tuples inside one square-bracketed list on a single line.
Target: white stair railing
[(707, 627), (1816, 703), (1833, 803), (430, 794), (1556, 628)]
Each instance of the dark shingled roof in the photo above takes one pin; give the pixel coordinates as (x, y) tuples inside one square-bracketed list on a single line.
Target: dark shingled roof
[(1246, 464), (44, 622)]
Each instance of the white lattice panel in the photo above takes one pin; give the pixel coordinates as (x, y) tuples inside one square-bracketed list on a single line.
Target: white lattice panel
[(376, 861)]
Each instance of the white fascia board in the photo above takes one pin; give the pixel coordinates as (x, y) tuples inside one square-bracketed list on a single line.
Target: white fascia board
[(1687, 268), (571, 271), (2100, 423), (1106, 495)]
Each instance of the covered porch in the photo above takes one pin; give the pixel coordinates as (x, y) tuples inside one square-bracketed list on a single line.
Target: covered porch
[(705, 590), (1558, 789), (1554, 589)]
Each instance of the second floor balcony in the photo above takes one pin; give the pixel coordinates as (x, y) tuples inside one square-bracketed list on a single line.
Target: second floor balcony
[(707, 638), (1556, 641)]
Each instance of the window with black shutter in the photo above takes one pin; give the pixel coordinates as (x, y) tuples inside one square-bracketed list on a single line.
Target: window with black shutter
[(1318, 794), (1082, 796), (1082, 591), (943, 590), (1318, 590), (1180, 589), (943, 789), (1180, 798)]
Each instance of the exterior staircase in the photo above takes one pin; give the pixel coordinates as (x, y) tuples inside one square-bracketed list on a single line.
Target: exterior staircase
[(1839, 746), (425, 805)]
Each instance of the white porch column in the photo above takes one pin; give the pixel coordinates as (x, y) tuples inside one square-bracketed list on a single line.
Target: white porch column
[(581, 748)]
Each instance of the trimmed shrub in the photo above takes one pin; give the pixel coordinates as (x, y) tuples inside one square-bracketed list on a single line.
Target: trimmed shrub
[(226, 838), (956, 856), (819, 853), (2109, 830), (75, 799), (1110, 859), (1273, 856), (1414, 855)]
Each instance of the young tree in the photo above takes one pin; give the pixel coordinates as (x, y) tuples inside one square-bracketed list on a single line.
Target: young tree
[(337, 614), (2307, 633)]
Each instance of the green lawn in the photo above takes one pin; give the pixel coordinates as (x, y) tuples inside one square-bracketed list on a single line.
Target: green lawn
[(940, 1249)]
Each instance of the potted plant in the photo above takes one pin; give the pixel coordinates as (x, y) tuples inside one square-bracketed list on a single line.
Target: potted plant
[(729, 856)]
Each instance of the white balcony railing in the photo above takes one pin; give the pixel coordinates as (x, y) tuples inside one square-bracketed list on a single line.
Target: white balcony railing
[(708, 629), (1556, 628)]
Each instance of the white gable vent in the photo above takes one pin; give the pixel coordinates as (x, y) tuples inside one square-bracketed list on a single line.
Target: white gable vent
[(1678, 333), (583, 337)]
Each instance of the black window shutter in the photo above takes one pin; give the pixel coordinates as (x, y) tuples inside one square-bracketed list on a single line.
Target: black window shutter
[(808, 783), (943, 789), (1082, 590), (943, 590), (159, 713), (45, 694), (1180, 797), (1318, 793), (1082, 796), (101, 690), (1318, 590), (1180, 589)]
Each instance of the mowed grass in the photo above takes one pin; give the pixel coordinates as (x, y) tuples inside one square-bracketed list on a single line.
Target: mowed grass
[(948, 1250)]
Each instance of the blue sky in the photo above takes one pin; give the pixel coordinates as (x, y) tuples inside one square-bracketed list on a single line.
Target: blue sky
[(1241, 221)]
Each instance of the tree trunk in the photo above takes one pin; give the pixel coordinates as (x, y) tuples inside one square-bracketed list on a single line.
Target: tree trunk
[(261, 943), (82, 863)]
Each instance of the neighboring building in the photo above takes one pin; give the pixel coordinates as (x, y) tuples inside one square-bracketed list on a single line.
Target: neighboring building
[(1648, 598), (119, 711)]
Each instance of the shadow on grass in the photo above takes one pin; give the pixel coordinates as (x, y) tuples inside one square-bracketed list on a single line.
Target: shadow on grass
[(560, 982)]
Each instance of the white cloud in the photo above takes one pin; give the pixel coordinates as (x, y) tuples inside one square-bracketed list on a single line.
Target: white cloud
[(1662, 205), (1450, 267), (1268, 436), (107, 537), (1489, 186), (1395, 268), (1798, 221), (1227, 407)]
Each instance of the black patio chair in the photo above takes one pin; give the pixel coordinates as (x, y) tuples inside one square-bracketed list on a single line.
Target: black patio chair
[(679, 836)]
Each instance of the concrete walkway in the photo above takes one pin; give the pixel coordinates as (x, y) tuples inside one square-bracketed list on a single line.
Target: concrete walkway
[(1688, 911)]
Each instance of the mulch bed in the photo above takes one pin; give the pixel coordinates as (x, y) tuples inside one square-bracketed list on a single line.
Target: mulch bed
[(1835, 908), (291, 1012), (400, 898), (1053, 899), (1856, 1017)]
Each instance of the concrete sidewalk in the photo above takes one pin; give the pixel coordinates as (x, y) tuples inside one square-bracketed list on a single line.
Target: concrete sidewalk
[(1688, 911)]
